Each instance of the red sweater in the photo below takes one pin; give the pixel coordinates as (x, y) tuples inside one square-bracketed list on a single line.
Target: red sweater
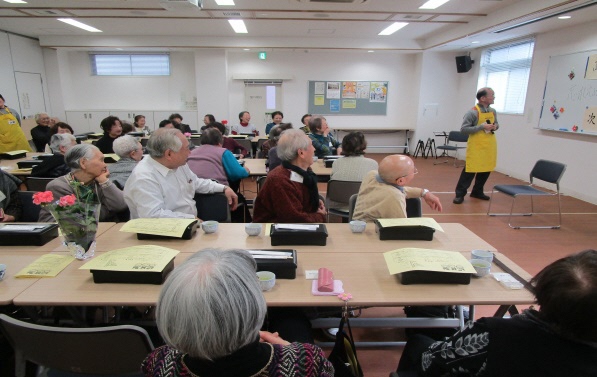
[(284, 201)]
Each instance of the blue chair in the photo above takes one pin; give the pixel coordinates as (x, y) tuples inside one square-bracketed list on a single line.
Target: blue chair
[(544, 170), (456, 137)]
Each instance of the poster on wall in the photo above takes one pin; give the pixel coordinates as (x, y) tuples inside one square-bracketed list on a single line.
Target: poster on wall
[(363, 89), (591, 73), (333, 89), (378, 92), (335, 106), (319, 100), (349, 104), (320, 87), (349, 89)]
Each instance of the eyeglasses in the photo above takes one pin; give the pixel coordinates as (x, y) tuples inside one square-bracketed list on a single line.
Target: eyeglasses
[(413, 173)]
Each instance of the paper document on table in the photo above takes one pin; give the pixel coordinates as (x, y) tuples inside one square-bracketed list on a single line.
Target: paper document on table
[(271, 254), (415, 259), (46, 266), (268, 229), (160, 227), (13, 227), (310, 227), (113, 156), (12, 153), (143, 258), (412, 221)]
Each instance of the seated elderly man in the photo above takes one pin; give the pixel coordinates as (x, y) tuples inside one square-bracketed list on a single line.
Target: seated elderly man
[(55, 166), (130, 152), (383, 194), (162, 185), (290, 191), (89, 169)]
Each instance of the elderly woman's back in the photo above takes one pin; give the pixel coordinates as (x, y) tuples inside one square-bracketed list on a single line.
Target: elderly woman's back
[(209, 313)]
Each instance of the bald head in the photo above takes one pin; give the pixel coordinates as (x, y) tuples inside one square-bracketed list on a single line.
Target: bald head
[(395, 166)]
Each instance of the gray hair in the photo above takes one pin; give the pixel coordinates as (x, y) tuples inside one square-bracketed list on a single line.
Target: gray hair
[(211, 305), (290, 142), (211, 136), (61, 140), (38, 116), (162, 140), (124, 145), (75, 154)]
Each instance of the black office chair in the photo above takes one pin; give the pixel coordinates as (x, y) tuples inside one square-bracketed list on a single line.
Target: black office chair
[(30, 210), (338, 195), (246, 143), (37, 184), (544, 170), (115, 350), (213, 207), (455, 137)]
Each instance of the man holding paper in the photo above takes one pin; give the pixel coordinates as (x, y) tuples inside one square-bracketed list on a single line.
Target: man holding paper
[(383, 193)]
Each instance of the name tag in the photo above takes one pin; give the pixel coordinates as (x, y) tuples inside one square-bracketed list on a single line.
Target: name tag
[(12, 122), (295, 177)]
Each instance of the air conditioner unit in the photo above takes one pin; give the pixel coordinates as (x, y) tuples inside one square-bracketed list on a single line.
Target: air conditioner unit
[(181, 4)]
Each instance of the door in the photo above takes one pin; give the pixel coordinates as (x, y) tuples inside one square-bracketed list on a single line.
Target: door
[(31, 94), (261, 100)]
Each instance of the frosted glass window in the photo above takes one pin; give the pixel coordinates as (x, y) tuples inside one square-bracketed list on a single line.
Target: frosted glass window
[(270, 97), (506, 69), (130, 65)]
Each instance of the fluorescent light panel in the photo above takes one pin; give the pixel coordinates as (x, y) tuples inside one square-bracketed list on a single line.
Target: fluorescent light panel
[(238, 26), (80, 25), (393, 28), (433, 4), (225, 2), (16, 1)]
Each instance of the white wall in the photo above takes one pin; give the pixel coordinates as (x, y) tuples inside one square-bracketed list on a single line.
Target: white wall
[(89, 92)]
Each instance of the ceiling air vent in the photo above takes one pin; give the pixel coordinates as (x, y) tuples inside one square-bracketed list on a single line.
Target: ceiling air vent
[(181, 4)]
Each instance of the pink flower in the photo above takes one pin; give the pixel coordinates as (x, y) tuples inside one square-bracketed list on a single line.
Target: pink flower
[(67, 200), (43, 197), (345, 296), (187, 134)]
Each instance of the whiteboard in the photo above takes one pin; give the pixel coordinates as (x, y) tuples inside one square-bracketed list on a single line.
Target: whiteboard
[(570, 96)]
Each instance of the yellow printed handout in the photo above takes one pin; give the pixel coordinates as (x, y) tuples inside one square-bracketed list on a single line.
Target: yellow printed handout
[(412, 221), (143, 258), (46, 266), (158, 227), (415, 259)]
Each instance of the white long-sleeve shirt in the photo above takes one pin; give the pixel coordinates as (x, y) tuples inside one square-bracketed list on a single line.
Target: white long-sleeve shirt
[(155, 191)]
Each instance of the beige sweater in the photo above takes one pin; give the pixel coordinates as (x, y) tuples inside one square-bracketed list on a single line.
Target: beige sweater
[(378, 200)]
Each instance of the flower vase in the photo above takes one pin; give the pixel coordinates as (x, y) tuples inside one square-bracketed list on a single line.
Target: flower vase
[(78, 224)]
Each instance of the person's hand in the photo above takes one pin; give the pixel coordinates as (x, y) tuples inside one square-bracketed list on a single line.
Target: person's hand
[(232, 198), (247, 169), (103, 178), (433, 202), (268, 337), (8, 219), (489, 127), (321, 208)]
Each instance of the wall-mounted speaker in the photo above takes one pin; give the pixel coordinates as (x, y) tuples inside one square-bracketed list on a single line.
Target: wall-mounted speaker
[(463, 64)]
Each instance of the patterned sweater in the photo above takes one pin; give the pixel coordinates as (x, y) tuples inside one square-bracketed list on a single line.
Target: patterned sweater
[(296, 359)]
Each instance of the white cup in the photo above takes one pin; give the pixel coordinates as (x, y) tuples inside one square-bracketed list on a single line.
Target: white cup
[(482, 266), (267, 280), (482, 254), (253, 229)]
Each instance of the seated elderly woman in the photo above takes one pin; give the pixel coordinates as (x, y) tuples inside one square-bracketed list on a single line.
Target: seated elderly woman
[(273, 137), (11, 208), (228, 142), (55, 166), (209, 313), (211, 160), (290, 192), (354, 166), (560, 339), (130, 152), (87, 167), (323, 142)]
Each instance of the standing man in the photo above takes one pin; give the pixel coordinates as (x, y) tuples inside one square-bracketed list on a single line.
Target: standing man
[(12, 137), (481, 153)]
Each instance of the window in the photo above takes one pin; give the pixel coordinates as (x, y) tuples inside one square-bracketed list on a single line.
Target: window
[(130, 64), (506, 69)]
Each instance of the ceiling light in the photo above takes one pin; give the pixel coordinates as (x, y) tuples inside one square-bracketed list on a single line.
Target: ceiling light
[(246, 49), (564, 17), (433, 4), (238, 26), (370, 51), (531, 21), (475, 42), (80, 25), (16, 1), (393, 28), (225, 2)]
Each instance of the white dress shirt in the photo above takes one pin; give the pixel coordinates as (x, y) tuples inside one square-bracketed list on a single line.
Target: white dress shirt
[(154, 191)]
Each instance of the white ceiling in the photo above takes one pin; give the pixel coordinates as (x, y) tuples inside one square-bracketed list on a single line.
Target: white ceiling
[(286, 24)]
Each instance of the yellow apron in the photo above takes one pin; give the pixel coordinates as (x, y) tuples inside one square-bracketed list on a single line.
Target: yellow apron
[(12, 137), (481, 151)]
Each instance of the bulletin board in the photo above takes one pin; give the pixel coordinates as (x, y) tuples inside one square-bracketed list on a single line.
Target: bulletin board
[(348, 97), (570, 96)]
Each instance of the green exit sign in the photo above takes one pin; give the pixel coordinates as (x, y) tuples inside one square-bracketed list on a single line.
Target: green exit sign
[(262, 55)]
